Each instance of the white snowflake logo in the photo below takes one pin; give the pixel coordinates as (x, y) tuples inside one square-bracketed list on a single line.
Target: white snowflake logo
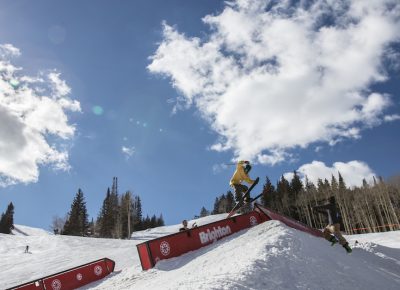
[(98, 270), (79, 276), (165, 248), (56, 284), (253, 220)]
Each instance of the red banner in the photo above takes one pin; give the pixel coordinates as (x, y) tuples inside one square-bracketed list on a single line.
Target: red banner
[(72, 278), (177, 244), (34, 285), (289, 221)]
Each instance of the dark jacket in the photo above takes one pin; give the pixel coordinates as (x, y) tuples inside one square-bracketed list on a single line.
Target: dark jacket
[(331, 211)]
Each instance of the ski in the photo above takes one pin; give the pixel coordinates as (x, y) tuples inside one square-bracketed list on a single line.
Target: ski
[(255, 198), (238, 206)]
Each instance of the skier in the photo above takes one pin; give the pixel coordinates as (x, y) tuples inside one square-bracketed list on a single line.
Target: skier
[(240, 175), (27, 249), (332, 230)]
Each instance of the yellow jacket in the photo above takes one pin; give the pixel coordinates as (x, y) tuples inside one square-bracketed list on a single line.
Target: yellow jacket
[(240, 175)]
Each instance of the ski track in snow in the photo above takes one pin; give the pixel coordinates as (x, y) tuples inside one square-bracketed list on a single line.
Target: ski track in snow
[(268, 256)]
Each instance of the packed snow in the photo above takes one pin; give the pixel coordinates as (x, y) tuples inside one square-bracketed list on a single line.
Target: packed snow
[(268, 256)]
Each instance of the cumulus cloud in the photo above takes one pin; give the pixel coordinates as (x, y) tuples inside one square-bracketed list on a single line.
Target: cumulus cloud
[(272, 75), (353, 172), (128, 151), (34, 126)]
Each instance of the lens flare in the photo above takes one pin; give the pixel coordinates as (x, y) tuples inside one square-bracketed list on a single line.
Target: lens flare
[(97, 110)]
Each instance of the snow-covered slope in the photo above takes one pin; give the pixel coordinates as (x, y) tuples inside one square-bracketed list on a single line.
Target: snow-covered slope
[(49, 254), (268, 256), (20, 230)]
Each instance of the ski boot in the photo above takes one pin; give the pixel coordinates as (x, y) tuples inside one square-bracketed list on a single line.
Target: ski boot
[(247, 199), (333, 240), (347, 248)]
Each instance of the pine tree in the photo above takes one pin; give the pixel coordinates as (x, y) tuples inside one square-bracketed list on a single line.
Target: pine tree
[(126, 213), (342, 184), (91, 229), (105, 219), (296, 184), (267, 199), (282, 189), (204, 212), (146, 223), (115, 210), (137, 214), (110, 217), (153, 221), (2, 224), (160, 221), (296, 187), (77, 223), (7, 220), (216, 206), (230, 200)]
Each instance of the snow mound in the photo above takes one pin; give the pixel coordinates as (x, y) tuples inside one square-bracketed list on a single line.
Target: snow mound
[(269, 256)]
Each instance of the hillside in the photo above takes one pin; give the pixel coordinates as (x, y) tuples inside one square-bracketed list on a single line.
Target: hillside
[(268, 256)]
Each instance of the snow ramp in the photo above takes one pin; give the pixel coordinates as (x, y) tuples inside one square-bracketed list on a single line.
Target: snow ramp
[(269, 256), (174, 245)]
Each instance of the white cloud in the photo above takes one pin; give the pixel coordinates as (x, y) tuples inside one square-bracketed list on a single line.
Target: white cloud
[(391, 118), (269, 80), (128, 151), (353, 172), (318, 149), (32, 112), (8, 49), (218, 168)]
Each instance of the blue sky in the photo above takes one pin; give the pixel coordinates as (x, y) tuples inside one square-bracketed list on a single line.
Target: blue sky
[(162, 93)]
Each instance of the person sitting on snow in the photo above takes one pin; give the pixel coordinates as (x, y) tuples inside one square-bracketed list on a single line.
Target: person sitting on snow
[(185, 226), (332, 230), (240, 175)]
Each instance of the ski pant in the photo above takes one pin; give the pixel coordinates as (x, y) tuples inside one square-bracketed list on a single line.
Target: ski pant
[(239, 190), (334, 230)]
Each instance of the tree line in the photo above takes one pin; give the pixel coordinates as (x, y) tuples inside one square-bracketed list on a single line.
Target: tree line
[(119, 216), (365, 209)]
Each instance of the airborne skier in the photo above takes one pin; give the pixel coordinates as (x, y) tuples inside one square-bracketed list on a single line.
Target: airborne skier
[(240, 175), (332, 230)]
